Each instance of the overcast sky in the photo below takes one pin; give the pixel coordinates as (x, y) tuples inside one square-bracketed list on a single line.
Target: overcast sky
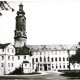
[(48, 22)]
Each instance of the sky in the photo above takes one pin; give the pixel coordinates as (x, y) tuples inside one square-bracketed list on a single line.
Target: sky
[(48, 22)]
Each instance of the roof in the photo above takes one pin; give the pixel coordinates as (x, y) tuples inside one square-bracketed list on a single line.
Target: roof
[(52, 47), (23, 50), (25, 61), (4, 45)]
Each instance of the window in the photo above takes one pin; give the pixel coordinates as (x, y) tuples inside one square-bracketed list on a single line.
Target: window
[(52, 52), (67, 66), (48, 59), (52, 66), (25, 64), (18, 57), (32, 60), (8, 50), (52, 59), (59, 58), (40, 53), (74, 65), (12, 58), (63, 59), (24, 57), (60, 52), (23, 20), (17, 51), (63, 66), (2, 50), (36, 53), (49, 65), (30, 64), (36, 59), (55, 59), (2, 57), (40, 65), (41, 69), (45, 53), (55, 52), (8, 64), (2, 65), (67, 59), (60, 66), (56, 67), (12, 51), (12, 64), (8, 57), (44, 59), (40, 59), (49, 68)]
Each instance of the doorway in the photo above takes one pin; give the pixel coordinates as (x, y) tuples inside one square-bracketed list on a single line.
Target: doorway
[(45, 67)]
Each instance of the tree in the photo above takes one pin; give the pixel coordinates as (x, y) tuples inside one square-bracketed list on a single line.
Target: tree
[(75, 58), (4, 5)]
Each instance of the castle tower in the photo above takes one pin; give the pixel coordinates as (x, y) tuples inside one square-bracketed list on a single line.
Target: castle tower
[(20, 30)]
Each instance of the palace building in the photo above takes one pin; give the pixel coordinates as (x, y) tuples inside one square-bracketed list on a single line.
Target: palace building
[(33, 58)]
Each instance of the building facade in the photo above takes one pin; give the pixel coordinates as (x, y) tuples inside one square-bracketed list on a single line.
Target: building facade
[(7, 57), (54, 58)]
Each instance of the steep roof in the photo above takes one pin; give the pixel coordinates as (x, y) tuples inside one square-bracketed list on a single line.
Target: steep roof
[(4, 45), (23, 50)]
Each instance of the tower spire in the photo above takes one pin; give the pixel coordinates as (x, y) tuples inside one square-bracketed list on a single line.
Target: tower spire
[(21, 7), (21, 11)]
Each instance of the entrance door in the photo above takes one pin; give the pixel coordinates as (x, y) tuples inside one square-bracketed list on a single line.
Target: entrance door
[(45, 67)]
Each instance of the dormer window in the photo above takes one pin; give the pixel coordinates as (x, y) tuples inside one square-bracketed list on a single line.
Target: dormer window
[(17, 50)]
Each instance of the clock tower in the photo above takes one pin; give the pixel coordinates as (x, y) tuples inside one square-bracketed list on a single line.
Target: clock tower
[(20, 30)]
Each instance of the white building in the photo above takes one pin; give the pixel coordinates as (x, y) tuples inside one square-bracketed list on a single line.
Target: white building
[(53, 57), (9, 61), (7, 57)]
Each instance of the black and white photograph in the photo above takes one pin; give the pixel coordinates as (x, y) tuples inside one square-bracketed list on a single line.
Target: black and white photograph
[(40, 40)]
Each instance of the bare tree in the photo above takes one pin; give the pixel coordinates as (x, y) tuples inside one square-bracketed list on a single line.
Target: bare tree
[(4, 5)]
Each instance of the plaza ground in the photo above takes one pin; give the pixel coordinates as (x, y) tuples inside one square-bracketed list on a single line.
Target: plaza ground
[(46, 75)]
